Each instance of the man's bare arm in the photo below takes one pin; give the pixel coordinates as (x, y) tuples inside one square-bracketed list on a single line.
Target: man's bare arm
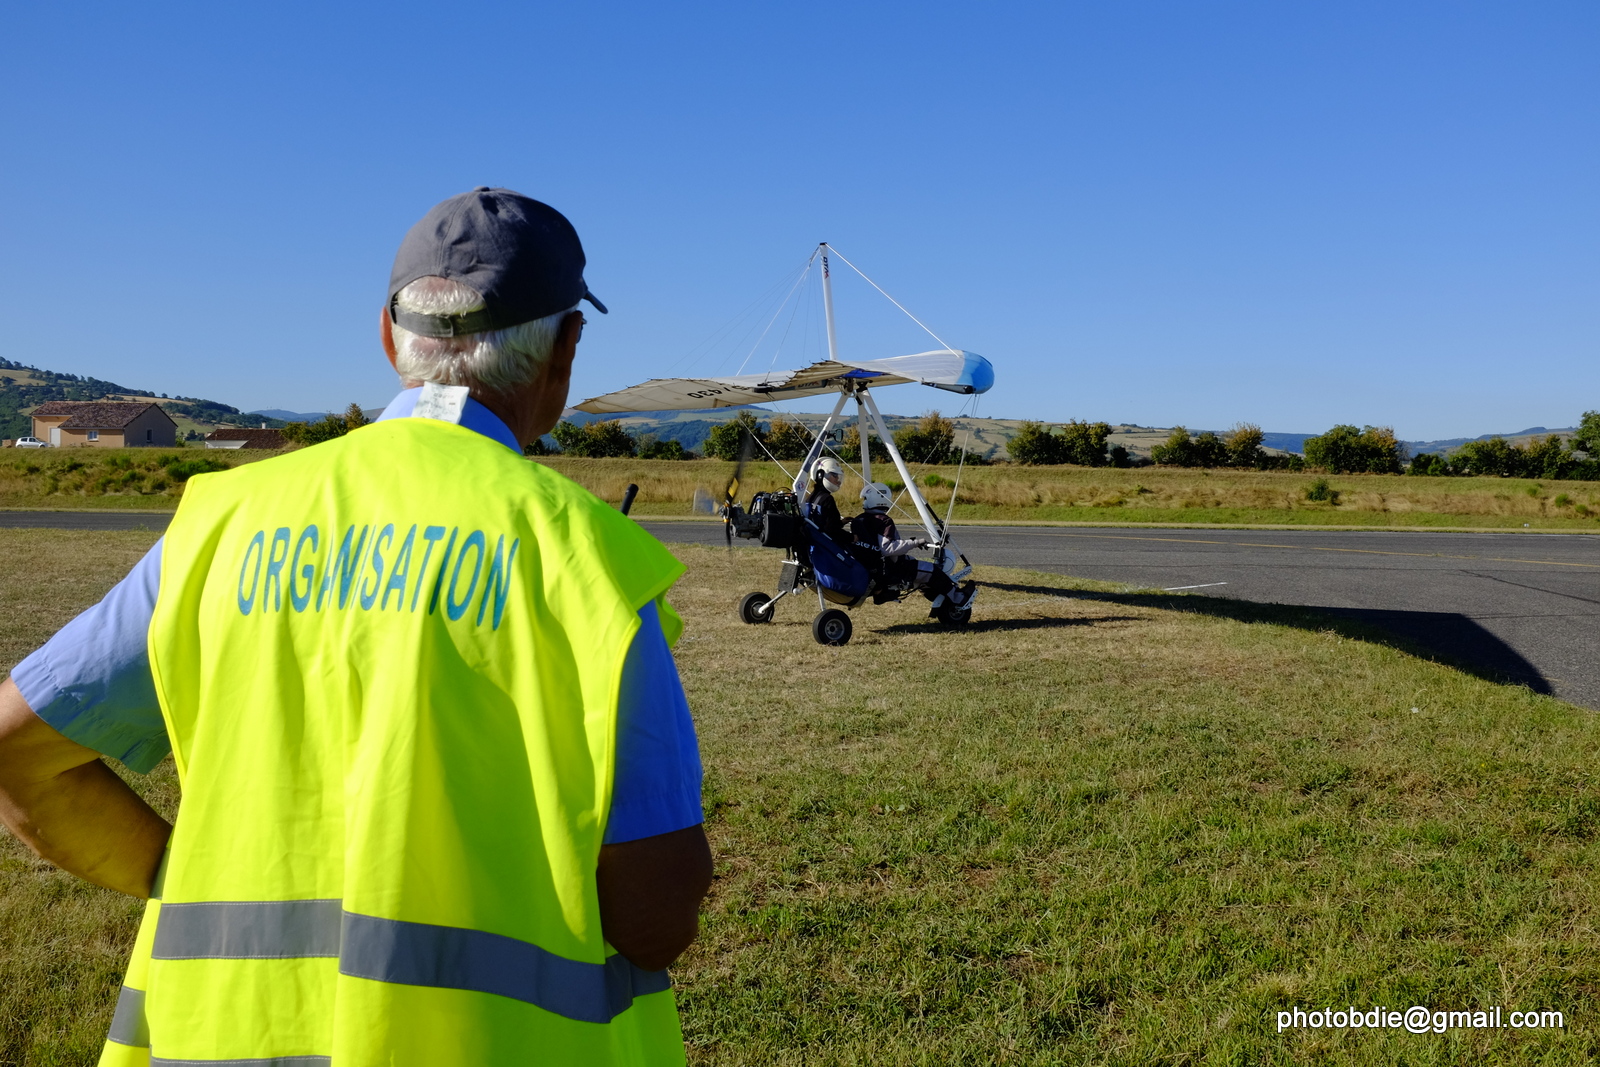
[(71, 808), (650, 894)]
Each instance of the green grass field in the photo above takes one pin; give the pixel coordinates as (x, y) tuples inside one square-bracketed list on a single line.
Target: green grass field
[(1100, 826), (153, 479)]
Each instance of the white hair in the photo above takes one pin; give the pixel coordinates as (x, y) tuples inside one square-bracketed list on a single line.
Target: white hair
[(499, 360)]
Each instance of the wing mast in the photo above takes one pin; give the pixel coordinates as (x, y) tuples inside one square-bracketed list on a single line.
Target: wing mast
[(827, 303), (833, 354)]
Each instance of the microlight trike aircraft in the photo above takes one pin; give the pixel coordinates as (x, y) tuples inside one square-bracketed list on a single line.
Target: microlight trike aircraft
[(841, 575)]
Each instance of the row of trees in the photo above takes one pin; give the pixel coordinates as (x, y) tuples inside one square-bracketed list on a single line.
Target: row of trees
[(1347, 450), (1374, 449), (931, 440), (314, 433), (1344, 449), (1081, 443), (1086, 444), (1577, 459), (602, 440), (1239, 447)]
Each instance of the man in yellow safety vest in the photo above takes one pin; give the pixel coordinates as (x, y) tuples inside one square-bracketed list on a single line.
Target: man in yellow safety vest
[(440, 783)]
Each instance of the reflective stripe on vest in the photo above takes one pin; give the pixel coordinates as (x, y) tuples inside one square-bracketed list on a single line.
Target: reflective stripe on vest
[(268, 1061), (388, 950), (127, 1025), (389, 667)]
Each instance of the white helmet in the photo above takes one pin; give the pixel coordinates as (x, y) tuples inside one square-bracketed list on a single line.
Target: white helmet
[(876, 495), (830, 473)]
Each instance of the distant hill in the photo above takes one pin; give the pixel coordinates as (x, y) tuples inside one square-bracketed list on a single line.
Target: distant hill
[(691, 428), (23, 388), (291, 416), (1521, 437), (1286, 442), (988, 436)]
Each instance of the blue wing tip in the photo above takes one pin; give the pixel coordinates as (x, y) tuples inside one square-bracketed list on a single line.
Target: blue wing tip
[(977, 373)]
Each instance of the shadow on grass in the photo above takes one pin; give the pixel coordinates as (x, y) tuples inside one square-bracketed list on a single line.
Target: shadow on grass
[(1441, 636), (982, 625)]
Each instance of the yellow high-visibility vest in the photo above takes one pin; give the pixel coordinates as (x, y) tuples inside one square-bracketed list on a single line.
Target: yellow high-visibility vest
[(389, 667)]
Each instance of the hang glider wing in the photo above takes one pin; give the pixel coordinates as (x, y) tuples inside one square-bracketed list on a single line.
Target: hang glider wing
[(944, 368)]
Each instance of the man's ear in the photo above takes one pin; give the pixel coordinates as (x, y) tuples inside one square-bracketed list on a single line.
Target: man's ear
[(565, 349), (386, 334)]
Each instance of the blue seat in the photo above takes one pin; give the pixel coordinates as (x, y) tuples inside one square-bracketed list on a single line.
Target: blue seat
[(838, 572)]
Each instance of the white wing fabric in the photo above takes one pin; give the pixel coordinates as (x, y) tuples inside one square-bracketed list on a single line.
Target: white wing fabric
[(944, 368)]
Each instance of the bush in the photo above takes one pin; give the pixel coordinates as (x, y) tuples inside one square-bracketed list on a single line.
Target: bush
[(850, 447), (1243, 445), (1084, 443), (595, 440), (725, 440), (314, 433), (651, 448), (1347, 450), (1034, 445), (181, 470), (1181, 450), (1587, 439), (1429, 465), (1290, 462), (788, 438), (1320, 491), (1495, 457), (932, 440), (1081, 443)]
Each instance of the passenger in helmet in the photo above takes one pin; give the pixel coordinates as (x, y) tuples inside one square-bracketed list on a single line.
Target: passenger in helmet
[(826, 478), (877, 537)]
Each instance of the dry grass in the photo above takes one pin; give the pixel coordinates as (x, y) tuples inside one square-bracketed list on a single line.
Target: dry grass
[(1146, 495), (63, 943), (111, 477), (146, 478), (1096, 827)]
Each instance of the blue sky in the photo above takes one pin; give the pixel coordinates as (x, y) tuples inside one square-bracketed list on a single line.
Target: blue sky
[(1187, 212)]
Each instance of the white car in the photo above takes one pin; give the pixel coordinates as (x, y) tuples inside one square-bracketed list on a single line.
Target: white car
[(30, 442)]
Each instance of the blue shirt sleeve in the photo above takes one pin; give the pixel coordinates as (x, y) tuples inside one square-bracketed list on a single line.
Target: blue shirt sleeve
[(92, 680), (656, 787), (92, 683)]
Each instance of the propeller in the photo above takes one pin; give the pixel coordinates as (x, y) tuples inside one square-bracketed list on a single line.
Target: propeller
[(730, 492)]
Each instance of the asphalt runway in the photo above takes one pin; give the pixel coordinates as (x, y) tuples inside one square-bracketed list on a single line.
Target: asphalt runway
[(85, 520), (1523, 608)]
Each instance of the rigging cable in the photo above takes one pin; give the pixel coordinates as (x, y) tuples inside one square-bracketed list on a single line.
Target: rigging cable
[(704, 347), (788, 327), (891, 299), (774, 319)]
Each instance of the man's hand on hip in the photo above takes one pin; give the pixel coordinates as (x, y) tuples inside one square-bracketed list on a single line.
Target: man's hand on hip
[(72, 809), (650, 893)]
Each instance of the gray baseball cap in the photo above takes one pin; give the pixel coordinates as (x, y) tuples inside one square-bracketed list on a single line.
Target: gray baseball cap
[(523, 256)]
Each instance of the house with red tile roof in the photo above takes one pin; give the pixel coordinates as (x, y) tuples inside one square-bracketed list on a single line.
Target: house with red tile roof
[(244, 437), (104, 424)]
